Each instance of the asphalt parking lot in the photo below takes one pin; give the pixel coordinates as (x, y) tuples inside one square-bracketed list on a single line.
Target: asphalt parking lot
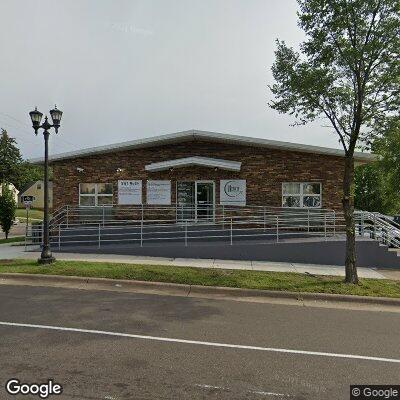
[(190, 348)]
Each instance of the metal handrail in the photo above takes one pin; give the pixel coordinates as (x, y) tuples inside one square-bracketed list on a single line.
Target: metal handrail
[(227, 223)]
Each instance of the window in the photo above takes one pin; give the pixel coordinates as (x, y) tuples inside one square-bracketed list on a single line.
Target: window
[(95, 194), (39, 186), (306, 195)]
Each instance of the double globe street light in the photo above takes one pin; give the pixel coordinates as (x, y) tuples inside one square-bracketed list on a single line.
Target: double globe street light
[(36, 116)]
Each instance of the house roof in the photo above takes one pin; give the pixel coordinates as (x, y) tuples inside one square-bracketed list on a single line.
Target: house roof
[(29, 185), (193, 134)]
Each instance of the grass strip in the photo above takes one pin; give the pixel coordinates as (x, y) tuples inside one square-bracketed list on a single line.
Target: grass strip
[(262, 280), (13, 239)]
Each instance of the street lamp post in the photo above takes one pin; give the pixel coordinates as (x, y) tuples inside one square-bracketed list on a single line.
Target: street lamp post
[(36, 116)]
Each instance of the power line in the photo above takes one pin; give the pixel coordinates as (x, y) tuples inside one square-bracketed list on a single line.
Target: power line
[(28, 133)]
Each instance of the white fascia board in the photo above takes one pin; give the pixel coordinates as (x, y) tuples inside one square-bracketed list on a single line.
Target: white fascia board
[(193, 134), (190, 161)]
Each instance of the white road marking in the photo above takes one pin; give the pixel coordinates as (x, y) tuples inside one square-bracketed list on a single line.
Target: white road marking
[(263, 393), (204, 386), (196, 342), (270, 393)]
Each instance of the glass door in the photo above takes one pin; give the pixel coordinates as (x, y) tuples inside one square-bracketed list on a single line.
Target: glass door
[(205, 195), (185, 198)]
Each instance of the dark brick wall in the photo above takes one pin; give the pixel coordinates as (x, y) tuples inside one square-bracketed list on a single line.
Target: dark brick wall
[(264, 169)]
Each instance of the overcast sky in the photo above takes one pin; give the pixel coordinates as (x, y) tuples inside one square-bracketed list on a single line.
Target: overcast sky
[(122, 70)]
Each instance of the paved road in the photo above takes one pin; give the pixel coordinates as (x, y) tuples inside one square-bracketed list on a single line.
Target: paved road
[(94, 365)]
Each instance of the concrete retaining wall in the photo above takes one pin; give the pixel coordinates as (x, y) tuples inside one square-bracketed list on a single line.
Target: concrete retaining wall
[(330, 252)]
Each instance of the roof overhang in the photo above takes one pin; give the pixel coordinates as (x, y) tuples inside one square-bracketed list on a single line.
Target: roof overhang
[(194, 161), (193, 135)]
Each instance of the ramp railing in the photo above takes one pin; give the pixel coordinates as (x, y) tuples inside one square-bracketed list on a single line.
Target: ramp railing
[(184, 225)]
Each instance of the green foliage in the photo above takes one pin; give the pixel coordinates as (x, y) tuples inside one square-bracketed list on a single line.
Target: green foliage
[(28, 173), (12, 167), (377, 186), (7, 210), (347, 70), (370, 189), (388, 146), (10, 158)]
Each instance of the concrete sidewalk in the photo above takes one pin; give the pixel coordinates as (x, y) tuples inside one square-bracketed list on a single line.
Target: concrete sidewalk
[(9, 252)]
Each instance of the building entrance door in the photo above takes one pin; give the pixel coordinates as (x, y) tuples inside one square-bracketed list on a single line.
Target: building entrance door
[(195, 201), (205, 199)]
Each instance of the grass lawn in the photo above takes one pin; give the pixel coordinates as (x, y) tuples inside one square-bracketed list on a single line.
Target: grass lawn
[(33, 214), (208, 277), (13, 239)]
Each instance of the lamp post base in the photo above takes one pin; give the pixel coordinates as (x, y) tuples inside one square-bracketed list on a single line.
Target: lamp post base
[(46, 260), (46, 257)]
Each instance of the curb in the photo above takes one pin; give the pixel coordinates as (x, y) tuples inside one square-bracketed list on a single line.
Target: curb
[(193, 290)]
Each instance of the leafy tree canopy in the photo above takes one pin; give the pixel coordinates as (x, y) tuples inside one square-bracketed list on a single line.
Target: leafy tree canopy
[(7, 210), (348, 68), (10, 158), (347, 71), (377, 186), (12, 167)]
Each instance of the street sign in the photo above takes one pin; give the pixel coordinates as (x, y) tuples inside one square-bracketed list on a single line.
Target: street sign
[(27, 200)]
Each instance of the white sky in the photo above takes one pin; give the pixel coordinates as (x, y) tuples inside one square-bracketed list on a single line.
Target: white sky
[(127, 69)]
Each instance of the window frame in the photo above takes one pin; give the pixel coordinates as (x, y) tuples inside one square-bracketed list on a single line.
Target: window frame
[(96, 194), (302, 194)]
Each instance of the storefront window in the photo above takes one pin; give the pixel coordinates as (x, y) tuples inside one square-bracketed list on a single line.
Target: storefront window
[(301, 195), (95, 194)]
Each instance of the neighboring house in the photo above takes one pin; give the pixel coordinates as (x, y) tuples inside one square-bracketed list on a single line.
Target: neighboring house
[(13, 190), (36, 189)]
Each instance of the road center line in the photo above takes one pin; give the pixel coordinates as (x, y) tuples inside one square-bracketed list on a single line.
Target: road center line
[(196, 342)]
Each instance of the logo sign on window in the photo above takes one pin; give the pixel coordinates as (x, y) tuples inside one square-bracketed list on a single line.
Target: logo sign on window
[(233, 192), (129, 192)]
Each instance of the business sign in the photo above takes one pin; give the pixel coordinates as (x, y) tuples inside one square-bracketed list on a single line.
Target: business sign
[(233, 192), (28, 200), (159, 192), (129, 192)]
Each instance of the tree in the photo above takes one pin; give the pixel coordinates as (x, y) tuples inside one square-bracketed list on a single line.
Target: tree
[(7, 210), (12, 167), (388, 147), (27, 173), (348, 72), (377, 184), (369, 189), (10, 158)]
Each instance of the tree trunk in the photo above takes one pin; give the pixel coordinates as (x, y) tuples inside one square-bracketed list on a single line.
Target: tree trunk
[(348, 209)]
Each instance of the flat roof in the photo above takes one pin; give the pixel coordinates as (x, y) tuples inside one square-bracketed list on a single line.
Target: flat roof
[(194, 134)]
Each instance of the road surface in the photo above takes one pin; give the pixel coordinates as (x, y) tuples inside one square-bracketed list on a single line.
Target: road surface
[(190, 348)]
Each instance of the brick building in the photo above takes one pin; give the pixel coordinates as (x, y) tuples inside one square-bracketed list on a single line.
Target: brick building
[(201, 169)]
